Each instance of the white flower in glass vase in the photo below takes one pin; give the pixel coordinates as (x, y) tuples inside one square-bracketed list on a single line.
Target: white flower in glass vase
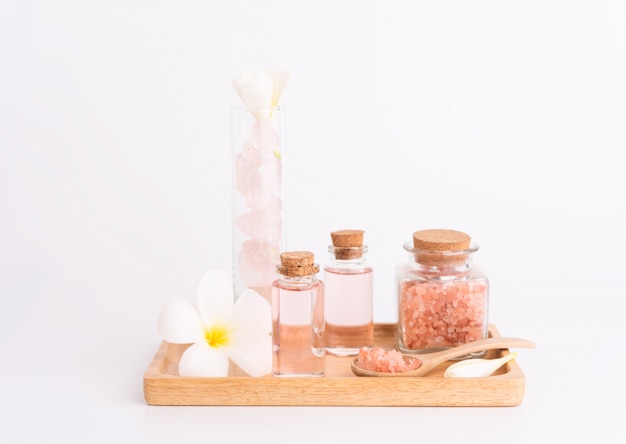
[(219, 330), (258, 145)]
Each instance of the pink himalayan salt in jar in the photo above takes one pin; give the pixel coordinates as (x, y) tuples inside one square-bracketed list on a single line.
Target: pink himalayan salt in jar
[(442, 298)]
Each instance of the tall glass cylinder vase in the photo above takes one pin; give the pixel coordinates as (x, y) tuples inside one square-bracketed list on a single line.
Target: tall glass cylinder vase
[(258, 209)]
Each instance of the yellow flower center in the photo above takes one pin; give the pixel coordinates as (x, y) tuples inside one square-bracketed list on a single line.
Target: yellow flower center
[(217, 336)]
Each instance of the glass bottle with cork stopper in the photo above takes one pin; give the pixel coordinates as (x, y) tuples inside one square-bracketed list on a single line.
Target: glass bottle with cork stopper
[(298, 343), (348, 280), (443, 299)]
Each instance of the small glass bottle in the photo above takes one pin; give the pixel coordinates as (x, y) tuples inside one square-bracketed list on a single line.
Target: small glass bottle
[(349, 302), (443, 299), (298, 347)]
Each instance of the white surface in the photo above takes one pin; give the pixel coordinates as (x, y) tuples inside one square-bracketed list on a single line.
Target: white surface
[(504, 119)]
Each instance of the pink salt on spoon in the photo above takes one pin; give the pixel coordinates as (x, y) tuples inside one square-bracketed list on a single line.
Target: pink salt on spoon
[(375, 364)]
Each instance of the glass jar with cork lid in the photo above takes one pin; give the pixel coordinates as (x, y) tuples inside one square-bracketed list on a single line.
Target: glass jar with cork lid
[(443, 299), (349, 301), (298, 343)]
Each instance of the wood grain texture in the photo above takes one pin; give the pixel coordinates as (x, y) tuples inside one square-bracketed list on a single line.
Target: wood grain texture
[(340, 387)]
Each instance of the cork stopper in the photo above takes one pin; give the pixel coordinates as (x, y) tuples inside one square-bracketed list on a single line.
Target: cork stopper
[(441, 240), (348, 244), (437, 247), (297, 263)]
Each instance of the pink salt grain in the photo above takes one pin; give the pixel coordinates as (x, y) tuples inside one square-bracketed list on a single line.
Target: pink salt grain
[(378, 360)]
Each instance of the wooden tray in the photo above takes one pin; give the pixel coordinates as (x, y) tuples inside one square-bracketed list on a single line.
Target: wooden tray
[(340, 387)]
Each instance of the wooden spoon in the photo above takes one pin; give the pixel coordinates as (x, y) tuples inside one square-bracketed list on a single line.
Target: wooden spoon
[(431, 360)]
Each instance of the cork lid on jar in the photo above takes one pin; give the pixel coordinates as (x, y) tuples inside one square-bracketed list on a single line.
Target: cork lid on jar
[(297, 263), (441, 240), (347, 244), (441, 247)]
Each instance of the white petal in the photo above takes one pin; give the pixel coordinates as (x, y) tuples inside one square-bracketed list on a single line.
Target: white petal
[(251, 352), (203, 360), (252, 313), (240, 83), (259, 92), (180, 322), (280, 79), (215, 297)]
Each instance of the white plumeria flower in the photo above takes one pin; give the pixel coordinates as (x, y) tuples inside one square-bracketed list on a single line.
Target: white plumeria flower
[(261, 91), (218, 329)]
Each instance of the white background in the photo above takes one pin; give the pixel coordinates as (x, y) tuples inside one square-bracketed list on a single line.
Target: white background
[(503, 119)]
